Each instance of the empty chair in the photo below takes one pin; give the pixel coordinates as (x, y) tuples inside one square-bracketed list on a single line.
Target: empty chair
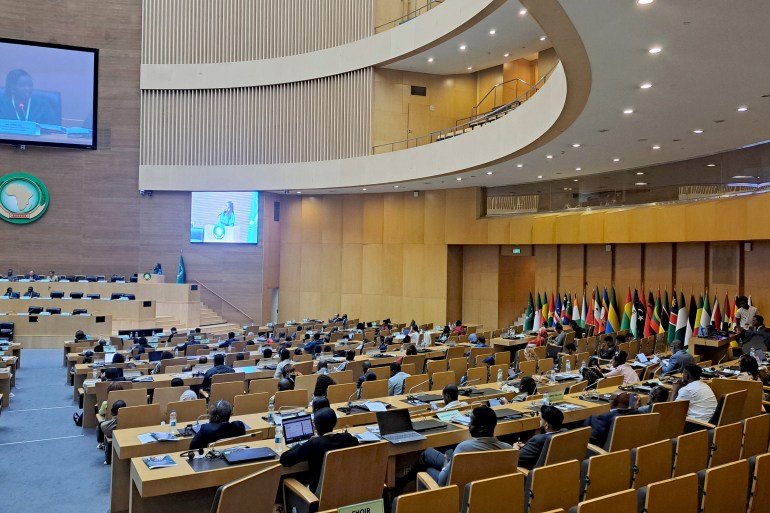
[(269, 385), (374, 389), (438, 499), (554, 486), (307, 382), (229, 377), (760, 485), (544, 365), (756, 431), (672, 418), (691, 453), (652, 462), (580, 386), (629, 431), (498, 372), (254, 493), (53, 310), (245, 404), (76, 295), (618, 502), (679, 495), (139, 416), (606, 473), (187, 411), (459, 366), (34, 310), (164, 396), (94, 296), (477, 375), (725, 444), (416, 384), (383, 372), (487, 495), (442, 379), (296, 398), (79, 311), (433, 366), (612, 382), (341, 393), (527, 368), (725, 489), (55, 294)]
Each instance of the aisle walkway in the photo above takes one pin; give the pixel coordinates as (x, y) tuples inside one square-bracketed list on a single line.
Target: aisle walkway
[(47, 464)]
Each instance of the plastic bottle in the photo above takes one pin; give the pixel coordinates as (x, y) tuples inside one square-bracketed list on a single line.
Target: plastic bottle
[(546, 399), (500, 375), (172, 421), (96, 373), (567, 366), (582, 366), (278, 439), (552, 376), (270, 410)]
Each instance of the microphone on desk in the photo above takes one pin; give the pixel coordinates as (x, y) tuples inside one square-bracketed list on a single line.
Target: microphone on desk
[(470, 389), (409, 392), (350, 397)]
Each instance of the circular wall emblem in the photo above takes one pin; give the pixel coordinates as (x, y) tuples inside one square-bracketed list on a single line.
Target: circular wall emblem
[(147, 276), (23, 198)]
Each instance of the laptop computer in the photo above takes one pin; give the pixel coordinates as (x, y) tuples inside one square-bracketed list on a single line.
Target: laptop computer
[(249, 454), (396, 427), (108, 357), (297, 429), (155, 356), (428, 425)]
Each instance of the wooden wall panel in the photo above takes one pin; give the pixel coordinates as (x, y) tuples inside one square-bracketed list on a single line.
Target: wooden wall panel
[(628, 267), (598, 266), (757, 277), (516, 281), (571, 261), (199, 31), (691, 268), (658, 267), (724, 269), (546, 266), (454, 295), (480, 285)]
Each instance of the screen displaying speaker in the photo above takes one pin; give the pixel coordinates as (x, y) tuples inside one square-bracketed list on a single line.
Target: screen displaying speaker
[(225, 217)]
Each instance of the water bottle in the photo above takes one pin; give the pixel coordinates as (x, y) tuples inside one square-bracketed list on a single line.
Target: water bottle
[(172, 421), (546, 399), (500, 375), (96, 373), (552, 376), (278, 439), (270, 410), (567, 366), (582, 366)]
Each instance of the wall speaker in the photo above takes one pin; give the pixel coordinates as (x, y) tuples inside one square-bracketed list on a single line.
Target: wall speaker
[(747, 246), (276, 211)]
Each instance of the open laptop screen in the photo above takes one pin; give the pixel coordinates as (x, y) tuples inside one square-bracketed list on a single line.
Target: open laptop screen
[(297, 429), (394, 421)]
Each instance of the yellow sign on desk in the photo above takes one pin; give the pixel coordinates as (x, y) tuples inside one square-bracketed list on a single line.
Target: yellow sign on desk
[(364, 507)]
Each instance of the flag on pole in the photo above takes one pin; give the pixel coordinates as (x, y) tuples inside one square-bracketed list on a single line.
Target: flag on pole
[(665, 312), (655, 317), (648, 315), (529, 315), (634, 321), (181, 274), (551, 309), (583, 322), (538, 319), (613, 323), (597, 310), (673, 315), (681, 319), (557, 310), (544, 310), (628, 307), (698, 313), (705, 319), (590, 319), (637, 327), (691, 316), (716, 315)]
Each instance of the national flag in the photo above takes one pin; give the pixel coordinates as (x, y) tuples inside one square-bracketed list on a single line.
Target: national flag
[(590, 317), (551, 307), (613, 323), (181, 274), (691, 316), (597, 310), (557, 310), (575, 311), (648, 330), (698, 313), (716, 315), (734, 314), (529, 315), (567, 312), (634, 321), (705, 319), (655, 317), (604, 311), (681, 319), (583, 322), (665, 311), (628, 307), (544, 310), (637, 324), (673, 315), (538, 319)]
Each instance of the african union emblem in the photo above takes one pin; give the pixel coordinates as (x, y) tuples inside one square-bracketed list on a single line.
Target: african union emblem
[(23, 198)]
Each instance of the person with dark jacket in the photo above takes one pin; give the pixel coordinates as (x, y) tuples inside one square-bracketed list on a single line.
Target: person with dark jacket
[(601, 425), (218, 368), (314, 450), (218, 426), (551, 420)]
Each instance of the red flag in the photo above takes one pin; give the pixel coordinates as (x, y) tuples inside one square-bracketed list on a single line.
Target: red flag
[(590, 319), (647, 318), (716, 315)]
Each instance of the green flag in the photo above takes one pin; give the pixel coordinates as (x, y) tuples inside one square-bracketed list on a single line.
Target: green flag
[(181, 275), (529, 316)]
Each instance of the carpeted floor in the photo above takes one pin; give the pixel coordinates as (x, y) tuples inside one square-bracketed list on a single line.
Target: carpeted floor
[(47, 464)]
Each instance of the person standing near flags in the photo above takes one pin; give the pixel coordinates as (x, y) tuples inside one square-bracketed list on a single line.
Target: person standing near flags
[(745, 313)]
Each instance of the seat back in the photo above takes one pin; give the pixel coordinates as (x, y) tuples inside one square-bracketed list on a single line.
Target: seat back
[(455, 352), (580, 386), (730, 408), (139, 416), (611, 382), (253, 435), (691, 453), (726, 488), (417, 359), (438, 499), (341, 393), (726, 444), (629, 431), (607, 473), (527, 367), (186, 411), (544, 365), (296, 398), (245, 404), (672, 418), (433, 366), (554, 486), (760, 486), (269, 385), (494, 370), (228, 378), (618, 502), (374, 389), (477, 375), (409, 368), (756, 431), (163, 396), (752, 405), (416, 383), (225, 391), (487, 495), (132, 397), (304, 367), (503, 358), (561, 447), (345, 376), (306, 382), (459, 366), (256, 490), (679, 495), (472, 466), (442, 379), (334, 488), (652, 462)]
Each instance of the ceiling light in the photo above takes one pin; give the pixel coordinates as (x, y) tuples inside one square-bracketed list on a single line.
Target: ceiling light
[(542, 38), (640, 183), (616, 159), (459, 178), (646, 85), (578, 169), (463, 47), (470, 68), (363, 189), (628, 111), (576, 145), (639, 173), (519, 165), (743, 176), (656, 147), (742, 108), (506, 55), (549, 156), (489, 172), (644, 2), (697, 131), (655, 49), (540, 176), (299, 192), (430, 59), (575, 180), (395, 186), (522, 12), (492, 32), (711, 164)]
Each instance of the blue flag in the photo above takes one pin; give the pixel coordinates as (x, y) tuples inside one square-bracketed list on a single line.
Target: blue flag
[(181, 275)]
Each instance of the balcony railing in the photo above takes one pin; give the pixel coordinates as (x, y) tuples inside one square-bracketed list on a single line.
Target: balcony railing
[(429, 4)]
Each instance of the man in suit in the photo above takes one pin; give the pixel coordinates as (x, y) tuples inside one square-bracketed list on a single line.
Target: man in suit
[(31, 293), (551, 420), (756, 337), (218, 368), (314, 450), (678, 360), (601, 425), (218, 427)]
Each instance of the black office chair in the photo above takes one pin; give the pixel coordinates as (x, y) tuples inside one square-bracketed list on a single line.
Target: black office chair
[(116, 295), (6, 330), (78, 311), (76, 295), (70, 277), (116, 277), (35, 310), (129, 296), (80, 277), (91, 279), (94, 296), (134, 278), (56, 294), (53, 310)]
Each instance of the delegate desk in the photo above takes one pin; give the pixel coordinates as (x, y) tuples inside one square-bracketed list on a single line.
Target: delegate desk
[(12, 349), (714, 349), (126, 315), (5, 386), (190, 490), (45, 331)]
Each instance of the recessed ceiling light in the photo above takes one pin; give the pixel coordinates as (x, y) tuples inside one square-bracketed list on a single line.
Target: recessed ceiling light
[(616, 159), (489, 172), (506, 55), (575, 180), (299, 192), (646, 85), (519, 165), (470, 68), (742, 108), (644, 2), (640, 183), (540, 176), (655, 49), (639, 173), (578, 169), (492, 32), (711, 164), (576, 145), (395, 186), (743, 176), (697, 131), (363, 189), (459, 178), (542, 38), (628, 111), (549, 156), (430, 59), (463, 47), (656, 147), (522, 12)]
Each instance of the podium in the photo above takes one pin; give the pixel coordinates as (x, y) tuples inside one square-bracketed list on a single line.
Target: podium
[(152, 278), (232, 234)]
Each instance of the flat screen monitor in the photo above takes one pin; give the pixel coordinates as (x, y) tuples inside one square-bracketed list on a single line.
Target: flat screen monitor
[(225, 217), (48, 94)]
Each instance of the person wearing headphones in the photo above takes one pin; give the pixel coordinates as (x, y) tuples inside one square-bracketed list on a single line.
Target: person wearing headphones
[(218, 426)]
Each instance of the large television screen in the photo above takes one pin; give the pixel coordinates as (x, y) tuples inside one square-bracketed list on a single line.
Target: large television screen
[(48, 94), (225, 217)]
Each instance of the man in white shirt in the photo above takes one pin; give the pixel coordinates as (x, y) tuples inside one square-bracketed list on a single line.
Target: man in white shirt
[(285, 360), (451, 399), (745, 313), (396, 381), (703, 402), (620, 367)]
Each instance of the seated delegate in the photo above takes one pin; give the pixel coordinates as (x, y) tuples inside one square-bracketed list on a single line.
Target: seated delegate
[(551, 420), (703, 402), (218, 426), (218, 368)]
